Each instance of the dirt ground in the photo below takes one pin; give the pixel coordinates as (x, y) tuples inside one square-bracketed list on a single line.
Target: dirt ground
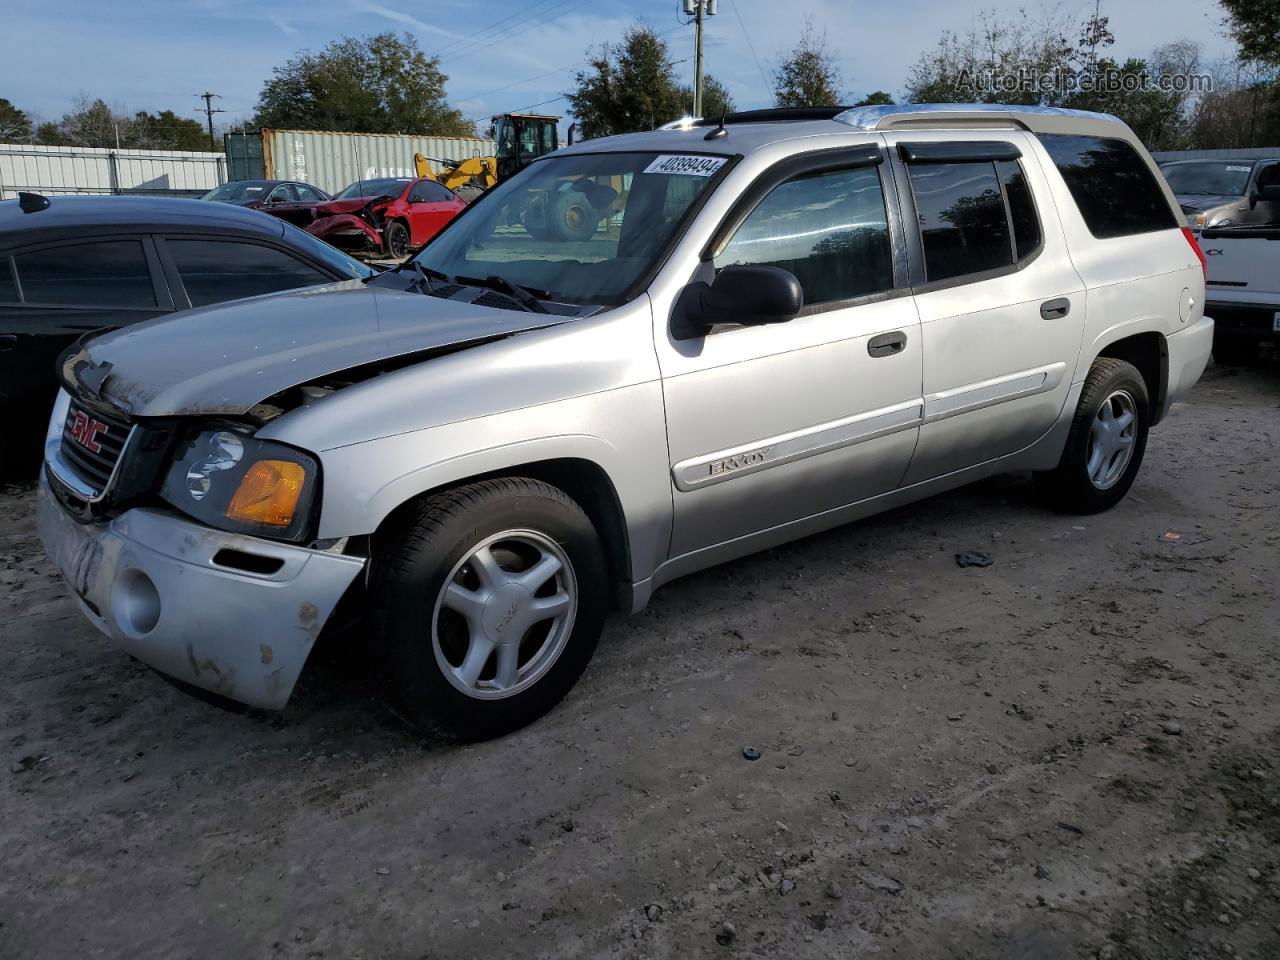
[(1073, 753)]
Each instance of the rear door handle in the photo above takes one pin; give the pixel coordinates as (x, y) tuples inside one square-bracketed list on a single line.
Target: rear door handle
[(1055, 309), (887, 344), (8, 342)]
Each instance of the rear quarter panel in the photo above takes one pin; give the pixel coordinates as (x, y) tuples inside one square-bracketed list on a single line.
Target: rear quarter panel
[(1134, 284)]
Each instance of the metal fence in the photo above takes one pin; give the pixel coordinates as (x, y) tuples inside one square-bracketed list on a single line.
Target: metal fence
[(332, 161), (1246, 153), (98, 170)]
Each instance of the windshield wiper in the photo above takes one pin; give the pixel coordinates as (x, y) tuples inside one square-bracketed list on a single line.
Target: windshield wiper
[(529, 299), (424, 277)]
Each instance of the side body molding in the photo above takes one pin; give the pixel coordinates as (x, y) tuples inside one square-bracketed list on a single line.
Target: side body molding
[(771, 452)]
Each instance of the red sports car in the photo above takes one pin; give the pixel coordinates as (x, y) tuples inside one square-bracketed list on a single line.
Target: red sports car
[(391, 216)]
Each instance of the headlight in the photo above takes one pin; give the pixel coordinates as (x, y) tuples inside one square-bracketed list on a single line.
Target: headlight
[(233, 481)]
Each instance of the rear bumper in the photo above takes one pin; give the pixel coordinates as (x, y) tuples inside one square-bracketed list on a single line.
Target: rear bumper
[(149, 581), (1188, 354)]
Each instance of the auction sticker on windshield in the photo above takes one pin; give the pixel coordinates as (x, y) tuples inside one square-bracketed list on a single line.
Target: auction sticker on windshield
[(688, 166)]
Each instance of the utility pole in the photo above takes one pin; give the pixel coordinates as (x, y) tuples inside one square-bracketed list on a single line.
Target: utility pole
[(209, 111), (699, 10)]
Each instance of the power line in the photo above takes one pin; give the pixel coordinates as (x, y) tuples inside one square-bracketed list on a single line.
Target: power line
[(514, 29), (573, 66), (465, 41), (750, 45)]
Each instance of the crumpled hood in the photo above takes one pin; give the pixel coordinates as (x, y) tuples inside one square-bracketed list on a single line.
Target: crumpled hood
[(224, 359), (333, 207)]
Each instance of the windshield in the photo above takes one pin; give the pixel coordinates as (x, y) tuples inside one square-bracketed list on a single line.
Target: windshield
[(386, 187), (237, 191), (582, 227), (1210, 178)]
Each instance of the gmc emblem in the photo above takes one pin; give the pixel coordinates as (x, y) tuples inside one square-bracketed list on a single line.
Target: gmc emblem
[(85, 430)]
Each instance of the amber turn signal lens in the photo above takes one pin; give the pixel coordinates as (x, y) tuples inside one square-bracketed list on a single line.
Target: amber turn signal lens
[(269, 493)]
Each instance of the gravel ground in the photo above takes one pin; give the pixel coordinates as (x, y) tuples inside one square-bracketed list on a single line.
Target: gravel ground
[(1074, 752)]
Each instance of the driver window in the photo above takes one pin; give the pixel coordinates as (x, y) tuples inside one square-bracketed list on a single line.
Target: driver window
[(829, 229), (282, 194)]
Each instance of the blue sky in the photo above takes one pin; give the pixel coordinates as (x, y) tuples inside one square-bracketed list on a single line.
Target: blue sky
[(157, 54)]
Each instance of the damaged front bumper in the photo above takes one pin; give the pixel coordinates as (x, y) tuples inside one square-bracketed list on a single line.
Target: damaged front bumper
[(346, 230), (171, 593)]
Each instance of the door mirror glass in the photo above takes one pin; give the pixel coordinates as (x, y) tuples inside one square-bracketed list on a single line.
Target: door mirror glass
[(748, 296)]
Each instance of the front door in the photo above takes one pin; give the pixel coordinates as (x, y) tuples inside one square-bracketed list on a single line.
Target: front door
[(431, 206), (772, 424), (1001, 306)]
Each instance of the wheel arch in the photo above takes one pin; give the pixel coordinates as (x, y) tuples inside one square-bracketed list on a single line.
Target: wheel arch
[(1149, 353), (583, 479), (402, 219)]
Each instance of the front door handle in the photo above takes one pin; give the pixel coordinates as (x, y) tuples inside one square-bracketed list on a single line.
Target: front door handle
[(8, 342), (887, 344), (1055, 309)]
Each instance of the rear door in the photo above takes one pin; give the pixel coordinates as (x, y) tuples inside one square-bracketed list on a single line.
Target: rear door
[(431, 206), (1001, 307), (53, 293)]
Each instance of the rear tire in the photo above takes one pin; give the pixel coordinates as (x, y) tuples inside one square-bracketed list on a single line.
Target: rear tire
[(1106, 443), (489, 602), (570, 216)]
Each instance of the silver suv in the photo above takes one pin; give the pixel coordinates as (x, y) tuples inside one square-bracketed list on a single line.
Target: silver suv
[(639, 357)]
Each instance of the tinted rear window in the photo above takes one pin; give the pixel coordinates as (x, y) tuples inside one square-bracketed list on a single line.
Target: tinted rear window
[(112, 273), (963, 225), (1022, 209), (1115, 190)]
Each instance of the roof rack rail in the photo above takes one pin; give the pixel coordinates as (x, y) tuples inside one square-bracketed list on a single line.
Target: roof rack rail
[(883, 117)]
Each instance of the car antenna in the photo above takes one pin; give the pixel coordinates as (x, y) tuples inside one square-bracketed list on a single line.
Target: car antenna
[(719, 131), (33, 202)]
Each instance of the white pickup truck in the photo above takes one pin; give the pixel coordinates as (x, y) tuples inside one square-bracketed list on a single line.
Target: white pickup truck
[(1242, 293)]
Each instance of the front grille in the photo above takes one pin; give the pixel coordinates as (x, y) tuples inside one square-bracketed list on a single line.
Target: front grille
[(86, 429)]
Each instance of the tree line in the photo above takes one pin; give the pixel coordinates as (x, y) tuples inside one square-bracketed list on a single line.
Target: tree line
[(92, 123)]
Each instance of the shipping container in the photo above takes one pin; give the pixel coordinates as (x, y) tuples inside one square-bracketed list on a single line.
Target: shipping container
[(1242, 153), (99, 170), (332, 161)]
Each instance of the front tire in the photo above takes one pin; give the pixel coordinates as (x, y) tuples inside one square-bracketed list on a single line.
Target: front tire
[(489, 602), (1106, 443), (397, 239)]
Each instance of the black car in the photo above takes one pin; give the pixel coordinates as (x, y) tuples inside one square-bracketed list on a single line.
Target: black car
[(266, 193), (70, 265)]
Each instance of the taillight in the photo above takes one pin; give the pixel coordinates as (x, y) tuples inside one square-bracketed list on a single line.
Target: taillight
[(1195, 245)]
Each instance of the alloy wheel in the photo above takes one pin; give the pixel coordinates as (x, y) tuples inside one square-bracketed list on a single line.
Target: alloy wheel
[(1111, 439), (504, 614)]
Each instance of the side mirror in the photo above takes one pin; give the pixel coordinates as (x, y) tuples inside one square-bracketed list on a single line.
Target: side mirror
[(1267, 194), (749, 296)]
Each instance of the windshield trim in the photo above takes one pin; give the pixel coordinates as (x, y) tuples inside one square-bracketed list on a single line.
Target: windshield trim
[(646, 277)]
